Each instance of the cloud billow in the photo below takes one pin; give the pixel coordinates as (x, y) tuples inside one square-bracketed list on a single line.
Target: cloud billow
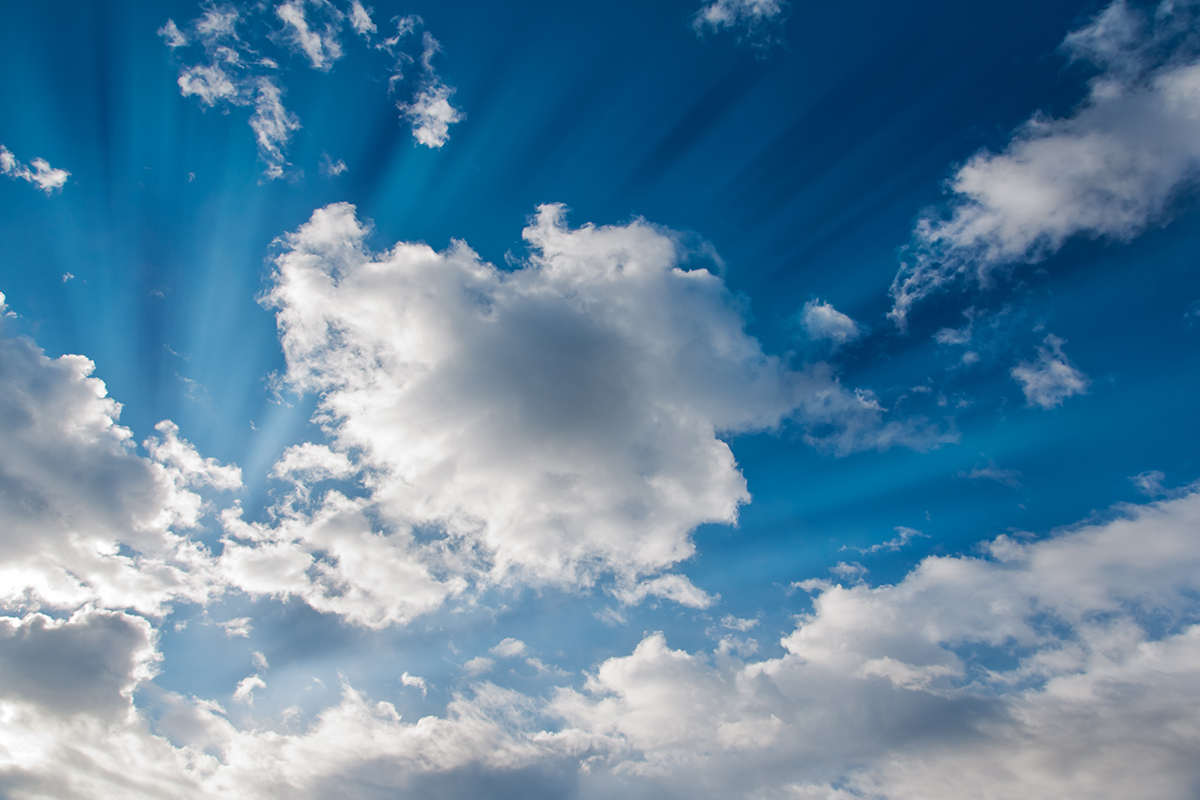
[(548, 425)]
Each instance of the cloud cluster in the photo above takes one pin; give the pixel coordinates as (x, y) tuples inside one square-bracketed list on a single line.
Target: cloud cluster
[(44, 176), (1111, 169), (1038, 669), (235, 71)]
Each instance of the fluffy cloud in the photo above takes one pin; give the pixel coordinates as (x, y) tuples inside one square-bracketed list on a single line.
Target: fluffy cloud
[(548, 424), (83, 518), (1111, 169), (884, 692), (1037, 669), (430, 111), (234, 70), (821, 321), (44, 176), (1051, 378)]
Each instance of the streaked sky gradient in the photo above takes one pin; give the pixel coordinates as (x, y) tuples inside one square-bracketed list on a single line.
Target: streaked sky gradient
[(677, 399)]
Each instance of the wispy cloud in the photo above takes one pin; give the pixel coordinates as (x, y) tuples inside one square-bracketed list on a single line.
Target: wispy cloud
[(903, 537), (1110, 169), (758, 22), (1008, 477), (38, 171)]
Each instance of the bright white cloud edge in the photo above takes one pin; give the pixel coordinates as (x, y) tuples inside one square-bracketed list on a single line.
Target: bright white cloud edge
[(1111, 169)]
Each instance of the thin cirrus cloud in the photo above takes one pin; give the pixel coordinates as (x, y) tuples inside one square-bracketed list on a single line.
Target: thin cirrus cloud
[(235, 70), (552, 425), (1111, 169), (38, 171)]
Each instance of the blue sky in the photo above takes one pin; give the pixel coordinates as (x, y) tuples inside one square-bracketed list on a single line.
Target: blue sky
[(740, 398)]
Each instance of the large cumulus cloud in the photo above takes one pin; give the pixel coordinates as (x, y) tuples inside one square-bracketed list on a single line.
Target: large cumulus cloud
[(546, 424)]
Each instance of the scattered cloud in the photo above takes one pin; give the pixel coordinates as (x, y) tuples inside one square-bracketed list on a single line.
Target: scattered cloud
[(677, 588), (821, 321), (1009, 477), (319, 43), (234, 69), (331, 168), (903, 537), (479, 665), (239, 627), (413, 681), (1092, 691), (509, 648), (38, 171), (245, 689), (360, 19), (1110, 169), (743, 625), (1051, 378), (758, 22), (430, 111)]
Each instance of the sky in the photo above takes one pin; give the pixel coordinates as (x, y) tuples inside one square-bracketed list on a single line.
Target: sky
[(741, 398)]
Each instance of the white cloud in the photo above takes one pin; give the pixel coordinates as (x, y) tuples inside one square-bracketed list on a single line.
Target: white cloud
[(414, 681), (886, 692), (245, 689), (273, 126), (758, 20), (360, 19), (1111, 169), (548, 424), (508, 648), (430, 111), (676, 588), (479, 665), (879, 691), (321, 47), (42, 175), (239, 626), (234, 69), (431, 114), (1051, 378), (84, 519), (822, 321)]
